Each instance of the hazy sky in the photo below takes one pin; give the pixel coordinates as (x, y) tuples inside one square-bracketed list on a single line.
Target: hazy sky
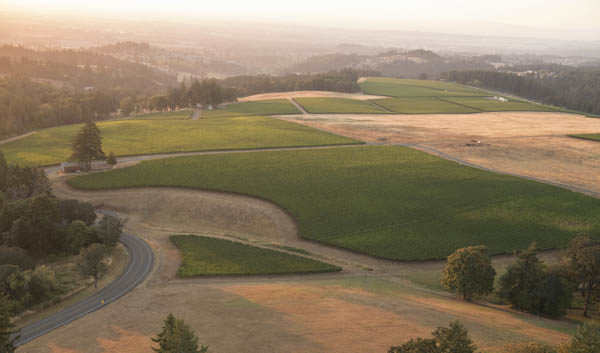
[(578, 17)]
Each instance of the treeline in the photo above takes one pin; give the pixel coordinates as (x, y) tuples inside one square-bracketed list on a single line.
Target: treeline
[(202, 93), (337, 81), (26, 105), (34, 226), (576, 89)]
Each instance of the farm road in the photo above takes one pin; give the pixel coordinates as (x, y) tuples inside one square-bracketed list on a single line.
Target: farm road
[(300, 108)]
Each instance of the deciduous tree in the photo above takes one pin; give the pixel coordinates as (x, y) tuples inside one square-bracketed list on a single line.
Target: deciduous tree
[(469, 272), (91, 262), (7, 340), (582, 262)]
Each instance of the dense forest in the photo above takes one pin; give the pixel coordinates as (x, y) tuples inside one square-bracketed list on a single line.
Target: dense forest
[(577, 89)]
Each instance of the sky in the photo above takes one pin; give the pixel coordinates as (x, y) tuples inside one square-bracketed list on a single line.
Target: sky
[(566, 18)]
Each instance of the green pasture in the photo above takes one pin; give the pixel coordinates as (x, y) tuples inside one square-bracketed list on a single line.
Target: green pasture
[(421, 105), (136, 137), (387, 201), (338, 106), (265, 107), (393, 87), (203, 256)]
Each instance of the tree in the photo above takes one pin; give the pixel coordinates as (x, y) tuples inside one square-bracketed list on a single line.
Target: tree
[(87, 146), (111, 159), (127, 106), (109, 230), (453, 339), (585, 340), (469, 272), (79, 236), (91, 262), (7, 338), (527, 286), (582, 262), (176, 337)]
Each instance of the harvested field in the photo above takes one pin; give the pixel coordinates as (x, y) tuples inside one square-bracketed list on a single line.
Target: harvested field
[(535, 144), (300, 94)]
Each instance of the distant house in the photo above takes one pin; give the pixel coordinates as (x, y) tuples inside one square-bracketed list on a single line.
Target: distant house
[(70, 167), (501, 99)]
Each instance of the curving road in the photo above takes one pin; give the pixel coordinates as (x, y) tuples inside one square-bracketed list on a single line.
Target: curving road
[(139, 266)]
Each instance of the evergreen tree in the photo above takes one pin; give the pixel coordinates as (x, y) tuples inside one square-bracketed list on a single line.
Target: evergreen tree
[(87, 146), (176, 337), (111, 159), (3, 172)]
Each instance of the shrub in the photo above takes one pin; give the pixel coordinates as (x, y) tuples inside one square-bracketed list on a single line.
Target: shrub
[(16, 256), (176, 337), (453, 339), (111, 159), (469, 272), (585, 340)]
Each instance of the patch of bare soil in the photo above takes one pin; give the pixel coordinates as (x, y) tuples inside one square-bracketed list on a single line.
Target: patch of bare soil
[(300, 94), (534, 144)]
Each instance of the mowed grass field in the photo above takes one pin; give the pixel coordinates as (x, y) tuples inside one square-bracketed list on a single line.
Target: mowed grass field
[(264, 107), (393, 87), (338, 106), (493, 105), (204, 256), (135, 137), (591, 137), (387, 201), (421, 105)]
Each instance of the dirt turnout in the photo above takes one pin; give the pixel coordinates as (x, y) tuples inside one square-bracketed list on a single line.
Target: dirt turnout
[(300, 94), (529, 143)]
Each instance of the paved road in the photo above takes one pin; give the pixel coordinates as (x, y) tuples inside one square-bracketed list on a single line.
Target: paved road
[(139, 266)]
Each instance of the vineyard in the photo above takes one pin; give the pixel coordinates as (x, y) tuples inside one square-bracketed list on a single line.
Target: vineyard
[(422, 105), (493, 105), (203, 256), (338, 106), (384, 86), (135, 137), (387, 201), (591, 137), (264, 107)]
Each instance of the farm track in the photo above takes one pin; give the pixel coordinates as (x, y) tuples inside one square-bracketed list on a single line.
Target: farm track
[(300, 108)]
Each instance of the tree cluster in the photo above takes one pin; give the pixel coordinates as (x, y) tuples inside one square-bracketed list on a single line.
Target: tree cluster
[(35, 225), (337, 81), (577, 89)]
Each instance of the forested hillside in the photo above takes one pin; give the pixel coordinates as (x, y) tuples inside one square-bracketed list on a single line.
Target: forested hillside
[(577, 89)]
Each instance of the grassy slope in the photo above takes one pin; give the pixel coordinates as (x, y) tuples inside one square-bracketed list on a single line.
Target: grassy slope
[(416, 88), (387, 201), (265, 107), (492, 105), (423, 105), (337, 106), (591, 137), (131, 137), (203, 256)]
